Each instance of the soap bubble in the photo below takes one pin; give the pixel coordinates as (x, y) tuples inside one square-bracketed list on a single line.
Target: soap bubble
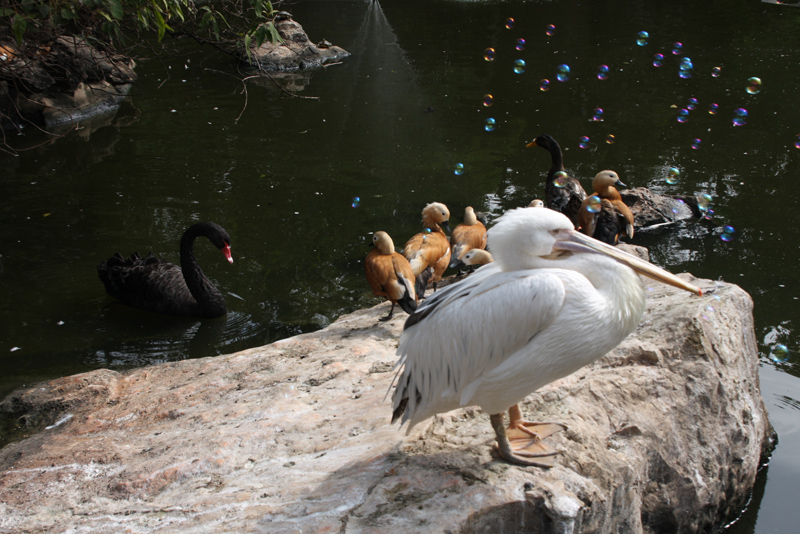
[(797, 141), (563, 73), (677, 207), (544, 85), (709, 214), (713, 108), (779, 353), (677, 48), (673, 176), (519, 66), (753, 85), (611, 139), (509, 23), (642, 38), (489, 125), (560, 179), (520, 44), (727, 233), (597, 115), (716, 71), (356, 202), (584, 142), (602, 72), (488, 100), (692, 104), (594, 205), (685, 68), (704, 201), (658, 60), (551, 30), (696, 143), (489, 54), (740, 117), (459, 169), (683, 115)]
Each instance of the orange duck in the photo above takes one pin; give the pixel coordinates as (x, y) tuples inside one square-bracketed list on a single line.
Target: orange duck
[(428, 252), (603, 215), (469, 235), (389, 275)]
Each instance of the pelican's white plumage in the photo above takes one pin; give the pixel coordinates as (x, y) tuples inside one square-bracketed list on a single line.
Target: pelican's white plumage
[(544, 309)]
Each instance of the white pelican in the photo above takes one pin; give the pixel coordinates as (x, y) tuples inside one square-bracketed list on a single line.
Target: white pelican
[(553, 301)]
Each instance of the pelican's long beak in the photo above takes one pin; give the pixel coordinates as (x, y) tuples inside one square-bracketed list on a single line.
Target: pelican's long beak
[(577, 242)]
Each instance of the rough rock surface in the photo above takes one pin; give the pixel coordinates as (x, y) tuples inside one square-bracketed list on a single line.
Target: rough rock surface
[(651, 209), (60, 82), (297, 52), (666, 434)]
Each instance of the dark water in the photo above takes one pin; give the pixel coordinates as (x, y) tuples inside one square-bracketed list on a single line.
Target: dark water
[(388, 126)]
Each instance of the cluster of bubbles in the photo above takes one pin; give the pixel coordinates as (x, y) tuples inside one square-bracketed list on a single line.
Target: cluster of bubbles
[(489, 125), (560, 179), (563, 73), (594, 205), (597, 115), (685, 68), (459, 169), (583, 142), (519, 66), (356, 202), (779, 353), (602, 72)]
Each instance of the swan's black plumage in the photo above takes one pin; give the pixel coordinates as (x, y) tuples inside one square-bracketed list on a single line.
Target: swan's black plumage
[(155, 285), (566, 197)]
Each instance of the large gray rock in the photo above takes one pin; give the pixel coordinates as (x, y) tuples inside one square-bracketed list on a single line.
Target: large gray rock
[(666, 434)]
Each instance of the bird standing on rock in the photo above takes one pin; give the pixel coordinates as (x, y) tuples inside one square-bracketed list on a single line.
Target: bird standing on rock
[(428, 252), (561, 192), (604, 215), (553, 301), (469, 235), (389, 275)]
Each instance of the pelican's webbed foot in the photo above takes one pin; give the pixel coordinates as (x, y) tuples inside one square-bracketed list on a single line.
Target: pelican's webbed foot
[(521, 442)]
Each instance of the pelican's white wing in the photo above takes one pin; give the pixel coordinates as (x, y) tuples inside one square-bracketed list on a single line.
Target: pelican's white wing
[(465, 331)]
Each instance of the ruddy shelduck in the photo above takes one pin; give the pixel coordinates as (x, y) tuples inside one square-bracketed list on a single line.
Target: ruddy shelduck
[(470, 234), (389, 275), (604, 215), (428, 252)]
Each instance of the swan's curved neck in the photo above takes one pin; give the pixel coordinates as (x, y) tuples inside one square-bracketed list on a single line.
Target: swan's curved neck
[(206, 294)]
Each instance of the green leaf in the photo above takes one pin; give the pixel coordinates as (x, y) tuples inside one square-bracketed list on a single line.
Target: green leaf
[(19, 25), (5, 12), (276, 37), (115, 6)]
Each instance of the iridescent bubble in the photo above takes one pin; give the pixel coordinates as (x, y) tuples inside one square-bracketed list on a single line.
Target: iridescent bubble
[(519, 66), (488, 100), (677, 207), (584, 142), (551, 30), (677, 48), (642, 38), (673, 176), (489, 125), (509, 23), (696, 143), (459, 169), (602, 72), (563, 73), (356, 202), (685, 68), (753, 85), (683, 115), (520, 44), (740, 117), (704, 201), (727, 234), (594, 205), (692, 104), (544, 85), (713, 108), (611, 139), (597, 115), (709, 214), (797, 141), (489, 54), (658, 60), (716, 71), (779, 353), (560, 179)]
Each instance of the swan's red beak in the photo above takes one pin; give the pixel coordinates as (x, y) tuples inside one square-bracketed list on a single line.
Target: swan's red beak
[(227, 251)]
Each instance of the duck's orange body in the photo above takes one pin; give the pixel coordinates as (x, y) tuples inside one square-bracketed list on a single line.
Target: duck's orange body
[(389, 275), (612, 218), (428, 252), (470, 234)]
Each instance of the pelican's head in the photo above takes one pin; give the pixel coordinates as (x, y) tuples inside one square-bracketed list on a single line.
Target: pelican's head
[(605, 179), (536, 238), (436, 213), (383, 242)]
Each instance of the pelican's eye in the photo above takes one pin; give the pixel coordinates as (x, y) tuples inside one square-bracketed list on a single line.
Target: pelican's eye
[(554, 233)]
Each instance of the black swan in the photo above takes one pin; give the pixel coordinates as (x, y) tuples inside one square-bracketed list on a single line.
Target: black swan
[(561, 193), (155, 285)]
